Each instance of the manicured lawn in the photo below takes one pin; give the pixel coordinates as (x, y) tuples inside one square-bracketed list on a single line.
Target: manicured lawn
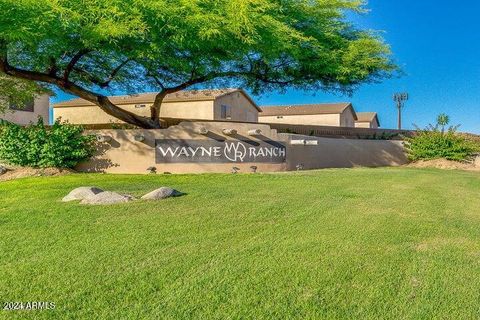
[(335, 244)]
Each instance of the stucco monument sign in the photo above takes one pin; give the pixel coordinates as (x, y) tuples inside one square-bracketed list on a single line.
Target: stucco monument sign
[(217, 151)]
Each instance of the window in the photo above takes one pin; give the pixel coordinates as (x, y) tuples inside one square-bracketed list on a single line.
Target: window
[(138, 106), (226, 112), (28, 107)]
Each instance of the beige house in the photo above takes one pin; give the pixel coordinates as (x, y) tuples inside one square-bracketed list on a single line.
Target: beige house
[(38, 107), (224, 104), (367, 120), (335, 115)]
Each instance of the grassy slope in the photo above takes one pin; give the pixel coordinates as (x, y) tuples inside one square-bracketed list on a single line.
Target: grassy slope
[(363, 243)]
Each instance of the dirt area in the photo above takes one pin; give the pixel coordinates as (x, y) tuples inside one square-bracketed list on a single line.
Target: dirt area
[(444, 164), (20, 172), (25, 172)]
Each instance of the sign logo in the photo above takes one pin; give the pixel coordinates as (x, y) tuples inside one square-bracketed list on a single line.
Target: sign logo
[(214, 151), (235, 152)]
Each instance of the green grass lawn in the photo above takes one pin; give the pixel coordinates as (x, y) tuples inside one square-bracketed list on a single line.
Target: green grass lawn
[(333, 244)]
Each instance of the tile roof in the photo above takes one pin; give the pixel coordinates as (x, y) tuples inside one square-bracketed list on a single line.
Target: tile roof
[(306, 109), (181, 96)]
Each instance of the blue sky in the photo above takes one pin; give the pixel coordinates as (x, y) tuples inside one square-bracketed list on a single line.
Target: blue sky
[(437, 43)]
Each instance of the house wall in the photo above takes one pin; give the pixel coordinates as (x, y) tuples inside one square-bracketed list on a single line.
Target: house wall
[(40, 108), (201, 110), (242, 108), (347, 119), (123, 154), (332, 120)]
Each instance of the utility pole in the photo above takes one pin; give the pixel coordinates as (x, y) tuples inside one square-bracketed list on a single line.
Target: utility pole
[(400, 99)]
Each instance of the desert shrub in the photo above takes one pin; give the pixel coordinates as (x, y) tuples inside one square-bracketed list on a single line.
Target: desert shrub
[(37, 145), (436, 142)]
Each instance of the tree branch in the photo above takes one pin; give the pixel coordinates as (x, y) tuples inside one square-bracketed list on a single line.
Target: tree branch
[(103, 102), (73, 62), (114, 73), (52, 68), (157, 80), (155, 108), (103, 83), (90, 76)]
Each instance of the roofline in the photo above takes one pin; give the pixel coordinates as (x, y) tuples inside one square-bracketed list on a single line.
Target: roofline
[(65, 104), (347, 105), (350, 106), (303, 104), (245, 94), (374, 118)]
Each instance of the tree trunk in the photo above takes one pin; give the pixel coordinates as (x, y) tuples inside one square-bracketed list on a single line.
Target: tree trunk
[(156, 107), (108, 107)]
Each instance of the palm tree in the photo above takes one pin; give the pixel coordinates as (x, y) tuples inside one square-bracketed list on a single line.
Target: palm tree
[(443, 120)]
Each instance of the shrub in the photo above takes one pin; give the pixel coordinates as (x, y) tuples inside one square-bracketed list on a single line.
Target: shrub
[(435, 142), (36, 145)]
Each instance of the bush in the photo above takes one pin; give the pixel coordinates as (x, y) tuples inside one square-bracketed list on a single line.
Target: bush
[(433, 143), (36, 145)]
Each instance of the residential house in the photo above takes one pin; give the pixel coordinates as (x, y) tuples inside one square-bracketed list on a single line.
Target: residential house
[(23, 115), (221, 104), (367, 120), (331, 114)]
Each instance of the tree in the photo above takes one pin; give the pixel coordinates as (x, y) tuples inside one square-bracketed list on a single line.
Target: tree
[(443, 120), (90, 48)]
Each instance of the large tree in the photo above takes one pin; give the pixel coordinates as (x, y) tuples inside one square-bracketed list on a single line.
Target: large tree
[(91, 47)]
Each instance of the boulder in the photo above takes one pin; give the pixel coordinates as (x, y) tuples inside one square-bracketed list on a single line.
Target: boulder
[(162, 193), (81, 193), (3, 170), (107, 197)]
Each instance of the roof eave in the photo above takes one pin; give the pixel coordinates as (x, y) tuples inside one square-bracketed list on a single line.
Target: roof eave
[(300, 114)]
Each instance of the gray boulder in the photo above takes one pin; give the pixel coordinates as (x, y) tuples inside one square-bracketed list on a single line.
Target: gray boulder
[(162, 193), (3, 170), (107, 197), (81, 193)]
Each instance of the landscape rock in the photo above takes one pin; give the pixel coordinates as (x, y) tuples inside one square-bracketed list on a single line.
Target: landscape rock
[(162, 193), (107, 197), (3, 170), (81, 193)]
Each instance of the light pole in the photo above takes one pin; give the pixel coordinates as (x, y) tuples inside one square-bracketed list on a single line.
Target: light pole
[(400, 99)]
